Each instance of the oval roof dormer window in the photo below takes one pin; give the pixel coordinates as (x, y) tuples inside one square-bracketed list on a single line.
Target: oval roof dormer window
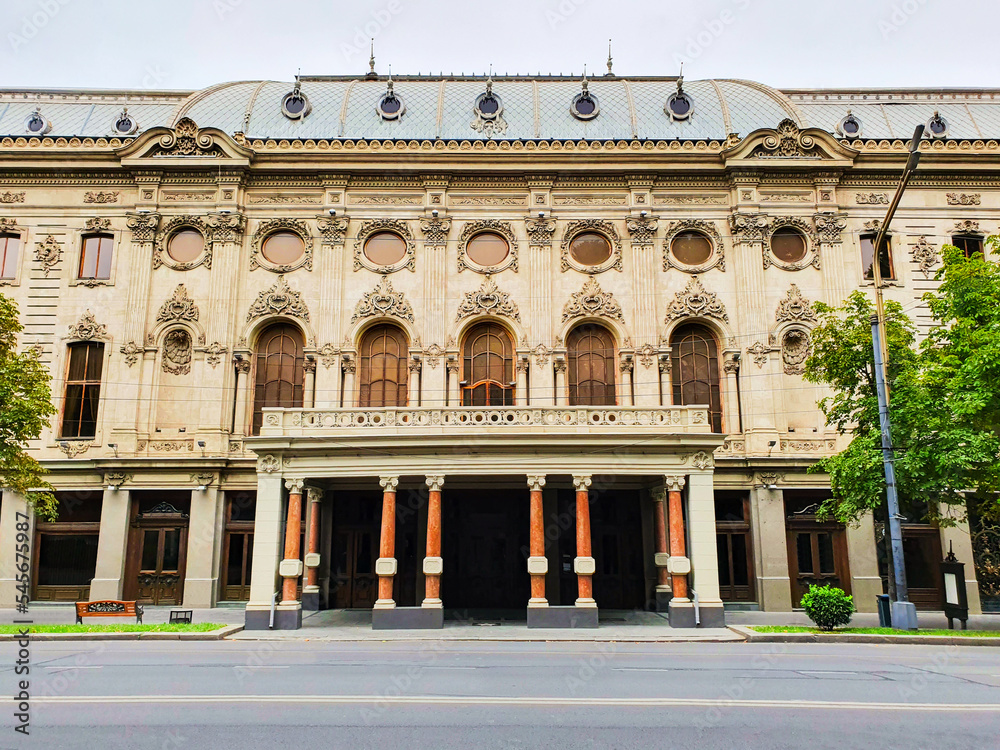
[(849, 126), (488, 105), (584, 105), (36, 124), (125, 124), (679, 106), (937, 126), (295, 105), (390, 106)]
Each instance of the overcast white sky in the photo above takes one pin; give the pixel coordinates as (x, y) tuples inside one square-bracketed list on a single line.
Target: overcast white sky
[(190, 44)]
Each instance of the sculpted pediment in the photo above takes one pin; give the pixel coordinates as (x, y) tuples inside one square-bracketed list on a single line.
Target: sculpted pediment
[(182, 144), (789, 144)]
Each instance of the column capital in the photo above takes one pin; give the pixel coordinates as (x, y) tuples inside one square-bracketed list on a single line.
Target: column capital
[(536, 481), (658, 494), (389, 483), (315, 494), (582, 482), (673, 483), (435, 482), (294, 485)]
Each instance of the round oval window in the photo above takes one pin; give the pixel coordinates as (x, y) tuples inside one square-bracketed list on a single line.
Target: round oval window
[(691, 248), (282, 248), (788, 245), (487, 249), (385, 249), (186, 245), (489, 105), (590, 249)]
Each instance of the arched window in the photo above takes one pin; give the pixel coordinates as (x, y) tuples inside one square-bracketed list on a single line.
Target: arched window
[(279, 371), (695, 366), (383, 367), (591, 352), (489, 367)]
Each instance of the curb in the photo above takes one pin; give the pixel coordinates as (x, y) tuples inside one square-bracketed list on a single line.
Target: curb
[(752, 636), (265, 636), (209, 635)]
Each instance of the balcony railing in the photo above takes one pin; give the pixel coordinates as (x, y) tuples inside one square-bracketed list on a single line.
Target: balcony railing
[(529, 419)]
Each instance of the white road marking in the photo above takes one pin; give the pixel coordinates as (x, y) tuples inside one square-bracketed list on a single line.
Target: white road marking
[(823, 671), (482, 700), (73, 666)]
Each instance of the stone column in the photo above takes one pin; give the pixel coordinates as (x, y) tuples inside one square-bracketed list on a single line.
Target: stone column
[(266, 545), (310, 591), (680, 608), (290, 608), (562, 392), (626, 366), (583, 565), (12, 505), (415, 386), (385, 566), (862, 558), (770, 542), (309, 383), (538, 563), (201, 578), (521, 384), (661, 553), (730, 393), (349, 365), (454, 390), (666, 386), (242, 396), (704, 552), (111, 545), (433, 564)]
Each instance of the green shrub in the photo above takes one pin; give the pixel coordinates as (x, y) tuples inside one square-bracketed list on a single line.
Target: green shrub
[(828, 607)]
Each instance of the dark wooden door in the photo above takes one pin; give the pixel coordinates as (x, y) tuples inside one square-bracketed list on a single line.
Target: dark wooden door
[(817, 555), (161, 555), (922, 553), (734, 546), (353, 583), (238, 557)]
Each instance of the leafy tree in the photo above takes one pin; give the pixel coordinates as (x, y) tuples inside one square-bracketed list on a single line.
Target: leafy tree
[(25, 408)]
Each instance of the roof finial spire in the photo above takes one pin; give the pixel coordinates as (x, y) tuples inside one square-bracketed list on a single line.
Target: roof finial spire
[(371, 62), (610, 60), (584, 82), (388, 91), (680, 80), (489, 82)]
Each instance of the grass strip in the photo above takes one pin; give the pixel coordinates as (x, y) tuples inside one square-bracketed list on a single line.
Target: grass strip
[(875, 631), (198, 627)]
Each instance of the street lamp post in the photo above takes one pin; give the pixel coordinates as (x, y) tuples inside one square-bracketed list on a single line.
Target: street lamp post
[(904, 613)]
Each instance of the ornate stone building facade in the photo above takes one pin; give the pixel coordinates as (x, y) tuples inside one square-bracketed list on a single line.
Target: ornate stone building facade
[(464, 343)]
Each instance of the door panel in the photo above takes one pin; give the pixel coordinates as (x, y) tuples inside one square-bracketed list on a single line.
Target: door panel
[(922, 555), (160, 578), (816, 556)]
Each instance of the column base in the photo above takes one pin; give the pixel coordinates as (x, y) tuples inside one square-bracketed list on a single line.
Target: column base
[(681, 614), (408, 618), (385, 604), (562, 617), (586, 603), (662, 600), (432, 603), (532, 603), (310, 601), (288, 617), (257, 618)]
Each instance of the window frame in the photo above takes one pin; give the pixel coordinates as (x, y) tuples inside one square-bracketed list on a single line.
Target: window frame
[(677, 384), (83, 384), (965, 238), (85, 238), (381, 331), (573, 357), (6, 236), (468, 386), (870, 237), (297, 382)]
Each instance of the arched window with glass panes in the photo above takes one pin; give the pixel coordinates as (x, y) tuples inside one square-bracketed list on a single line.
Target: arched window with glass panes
[(488, 374), (383, 355), (279, 374), (591, 353), (694, 356)]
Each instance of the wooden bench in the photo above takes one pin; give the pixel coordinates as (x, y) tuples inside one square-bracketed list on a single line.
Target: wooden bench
[(108, 608)]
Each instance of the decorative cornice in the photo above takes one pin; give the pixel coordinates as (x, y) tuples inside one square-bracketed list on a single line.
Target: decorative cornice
[(187, 139), (696, 302), (383, 301), (488, 300), (592, 301), (278, 300)]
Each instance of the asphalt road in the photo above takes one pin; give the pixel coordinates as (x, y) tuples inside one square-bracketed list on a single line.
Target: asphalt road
[(503, 695)]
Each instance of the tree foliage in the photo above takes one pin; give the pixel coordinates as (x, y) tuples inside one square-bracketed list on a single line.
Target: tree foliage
[(25, 408)]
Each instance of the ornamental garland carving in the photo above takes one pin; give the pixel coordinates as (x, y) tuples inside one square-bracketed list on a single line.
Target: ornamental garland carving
[(278, 300), (540, 231), (187, 139), (88, 329), (642, 230), (696, 302), (180, 307), (795, 347), (787, 141), (142, 226), (924, 255), (496, 226), (381, 302), (871, 199), (173, 225), (98, 225), (373, 226), (132, 351), (605, 228), (592, 301), (435, 231), (811, 257), (177, 352), (265, 229), (794, 308), (716, 260), (488, 300), (48, 253), (332, 229), (9, 197), (960, 199), (99, 197)]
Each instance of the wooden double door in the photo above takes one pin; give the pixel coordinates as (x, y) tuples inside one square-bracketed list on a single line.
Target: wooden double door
[(157, 564), (353, 583), (817, 555)]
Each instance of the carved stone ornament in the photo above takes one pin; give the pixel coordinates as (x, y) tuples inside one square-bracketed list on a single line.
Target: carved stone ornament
[(811, 257), (871, 199), (142, 226), (101, 197), (268, 464), (541, 354), (759, 353), (592, 301), (116, 479), (540, 231), (161, 257), (73, 448), (278, 300), (964, 199), (489, 122), (383, 301), (88, 329), (180, 307), (132, 352), (967, 227), (716, 260), (226, 227), (265, 229), (748, 228), (696, 302), (731, 363), (328, 355), (187, 139), (488, 300), (787, 142), (213, 354), (48, 253), (795, 348), (598, 226), (433, 354), (9, 197), (495, 226), (177, 352), (702, 460), (830, 227), (435, 231), (646, 354), (924, 255), (642, 230), (374, 226), (9, 225), (794, 308), (332, 229), (98, 225)]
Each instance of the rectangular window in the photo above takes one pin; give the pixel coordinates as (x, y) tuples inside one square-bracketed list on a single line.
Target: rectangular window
[(10, 245), (83, 390), (885, 257), (95, 260), (970, 244)]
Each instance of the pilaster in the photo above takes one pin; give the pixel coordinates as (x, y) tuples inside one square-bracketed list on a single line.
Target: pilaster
[(109, 573), (205, 530)]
